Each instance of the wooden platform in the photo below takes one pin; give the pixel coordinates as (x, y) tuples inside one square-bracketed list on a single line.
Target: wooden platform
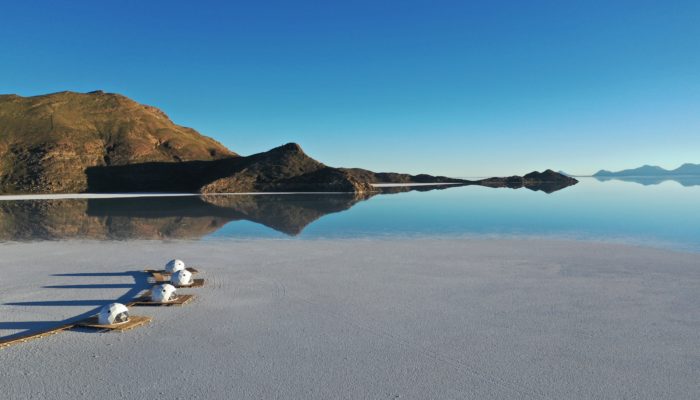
[(133, 322), (196, 283), (159, 277), (36, 335), (181, 300)]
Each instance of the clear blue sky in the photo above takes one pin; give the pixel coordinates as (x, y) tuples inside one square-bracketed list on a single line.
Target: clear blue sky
[(458, 88)]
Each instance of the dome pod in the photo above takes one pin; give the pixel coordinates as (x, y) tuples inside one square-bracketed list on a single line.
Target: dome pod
[(115, 313), (163, 293), (174, 265), (181, 278)]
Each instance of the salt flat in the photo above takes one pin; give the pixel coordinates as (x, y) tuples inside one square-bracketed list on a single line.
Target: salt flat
[(360, 319)]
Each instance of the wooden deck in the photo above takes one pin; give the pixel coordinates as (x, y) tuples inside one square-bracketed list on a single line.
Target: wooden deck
[(134, 322), (35, 335)]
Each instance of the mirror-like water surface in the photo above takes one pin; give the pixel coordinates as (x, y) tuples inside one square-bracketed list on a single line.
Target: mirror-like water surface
[(664, 214)]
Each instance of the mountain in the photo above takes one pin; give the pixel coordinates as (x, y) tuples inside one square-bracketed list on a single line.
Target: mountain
[(102, 142), (547, 181), (48, 141), (394, 177), (283, 169), (652, 171), (687, 169), (96, 142)]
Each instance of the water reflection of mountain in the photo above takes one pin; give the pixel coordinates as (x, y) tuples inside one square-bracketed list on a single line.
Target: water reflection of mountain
[(540, 186), (185, 217), (421, 188), (690, 180), (178, 217)]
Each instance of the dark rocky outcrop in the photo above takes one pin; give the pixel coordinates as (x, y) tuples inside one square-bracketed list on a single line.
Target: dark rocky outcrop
[(547, 181), (393, 177), (283, 169)]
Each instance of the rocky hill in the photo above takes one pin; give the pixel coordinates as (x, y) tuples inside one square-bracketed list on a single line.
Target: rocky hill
[(47, 142), (102, 142), (548, 181), (394, 177), (283, 169)]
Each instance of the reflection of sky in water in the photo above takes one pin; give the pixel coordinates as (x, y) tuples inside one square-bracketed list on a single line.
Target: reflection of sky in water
[(665, 214)]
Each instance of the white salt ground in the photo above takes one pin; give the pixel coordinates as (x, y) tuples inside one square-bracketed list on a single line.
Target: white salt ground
[(360, 319)]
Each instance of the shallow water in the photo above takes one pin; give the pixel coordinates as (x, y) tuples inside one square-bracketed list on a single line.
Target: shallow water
[(663, 214)]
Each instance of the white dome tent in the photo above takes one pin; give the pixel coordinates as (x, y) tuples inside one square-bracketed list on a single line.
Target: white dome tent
[(163, 293), (114, 313), (182, 277), (174, 265)]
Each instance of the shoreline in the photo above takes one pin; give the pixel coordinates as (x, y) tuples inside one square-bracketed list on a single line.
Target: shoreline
[(57, 196)]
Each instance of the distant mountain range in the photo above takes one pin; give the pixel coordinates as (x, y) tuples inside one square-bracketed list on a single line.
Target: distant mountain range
[(652, 171), (686, 175)]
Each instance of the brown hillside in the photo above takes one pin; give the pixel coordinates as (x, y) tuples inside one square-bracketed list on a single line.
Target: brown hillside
[(48, 141)]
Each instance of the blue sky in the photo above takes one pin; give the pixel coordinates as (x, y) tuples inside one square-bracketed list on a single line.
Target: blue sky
[(445, 87)]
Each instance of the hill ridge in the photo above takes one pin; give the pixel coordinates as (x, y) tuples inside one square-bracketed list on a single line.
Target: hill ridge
[(70, 142), (653, 170)]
